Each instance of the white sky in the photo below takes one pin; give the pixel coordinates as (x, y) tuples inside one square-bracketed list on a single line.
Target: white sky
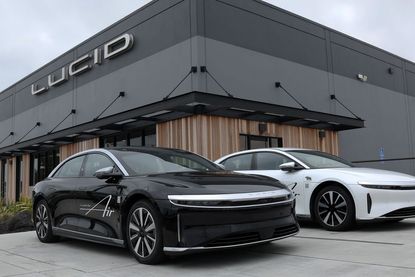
[(35, 32)]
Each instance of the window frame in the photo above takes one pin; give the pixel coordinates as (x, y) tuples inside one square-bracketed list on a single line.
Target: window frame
[(255, 159), (238, 155), (86, 160), (63, 164)]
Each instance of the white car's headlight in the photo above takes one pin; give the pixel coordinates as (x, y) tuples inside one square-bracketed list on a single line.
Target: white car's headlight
[(386, 186)]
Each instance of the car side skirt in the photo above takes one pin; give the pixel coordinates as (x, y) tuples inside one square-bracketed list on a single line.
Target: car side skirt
[(87, 237)]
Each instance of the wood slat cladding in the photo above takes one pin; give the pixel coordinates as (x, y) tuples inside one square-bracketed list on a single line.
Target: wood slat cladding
[(70, 149), (26, 191), (215, 136), (11, 180)]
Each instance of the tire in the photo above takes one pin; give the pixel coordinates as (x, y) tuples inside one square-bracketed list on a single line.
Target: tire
[(43, 223), (334, 209), (144, 235)]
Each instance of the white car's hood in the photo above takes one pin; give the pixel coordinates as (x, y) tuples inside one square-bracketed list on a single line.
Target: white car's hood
[(369, 175)]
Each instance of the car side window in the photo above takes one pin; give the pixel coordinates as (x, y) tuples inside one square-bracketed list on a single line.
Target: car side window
[(71, 168), (270, 161), (95, 162), (240, 162)]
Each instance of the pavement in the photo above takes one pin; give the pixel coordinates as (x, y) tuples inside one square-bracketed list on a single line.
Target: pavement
[(381, 249)]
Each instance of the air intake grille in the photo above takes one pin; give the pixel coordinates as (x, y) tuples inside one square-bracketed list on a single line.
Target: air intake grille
[(235, 239), (285, 231), (405, 212)]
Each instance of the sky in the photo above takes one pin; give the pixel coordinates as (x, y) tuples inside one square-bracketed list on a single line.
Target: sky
[(35, 32)]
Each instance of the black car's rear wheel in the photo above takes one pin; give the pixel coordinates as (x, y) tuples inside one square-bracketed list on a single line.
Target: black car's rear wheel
[(43, 222), (144, 233), (334, 209)]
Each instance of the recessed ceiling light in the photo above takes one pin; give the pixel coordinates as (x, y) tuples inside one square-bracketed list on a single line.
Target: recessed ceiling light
[(125, 121), (49, 141), (241, 110), (311, 120), (156, 113), (197, 103), (275, 114), (73, 135), (92, 130)]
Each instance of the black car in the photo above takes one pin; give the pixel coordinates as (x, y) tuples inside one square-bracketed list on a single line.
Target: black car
[(159, 201)]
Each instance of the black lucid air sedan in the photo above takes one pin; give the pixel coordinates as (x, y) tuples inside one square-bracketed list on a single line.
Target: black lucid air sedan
[(159, 201)]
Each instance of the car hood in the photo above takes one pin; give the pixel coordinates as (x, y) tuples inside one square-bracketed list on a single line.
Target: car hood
[(221, 182), (369, 175)]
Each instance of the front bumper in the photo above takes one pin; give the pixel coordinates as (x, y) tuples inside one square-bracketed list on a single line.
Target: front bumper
[(201, 229), (383, 203)]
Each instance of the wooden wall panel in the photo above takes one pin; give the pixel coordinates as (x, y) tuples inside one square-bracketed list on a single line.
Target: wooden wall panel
[(70, 149), (26, 191), (215, 136), (11, 180)]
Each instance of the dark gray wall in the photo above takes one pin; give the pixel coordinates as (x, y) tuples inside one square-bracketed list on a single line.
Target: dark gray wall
[(248, 46), (158, 60)]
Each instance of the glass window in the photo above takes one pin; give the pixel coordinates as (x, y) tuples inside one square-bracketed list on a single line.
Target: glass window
[(41, 164), (316, 159), (95, 162), (247, 142), (71, 168), (243, 142), (240, 162), (144, 163), (4, 173), (121, 140), (138, 137), (270, 161)]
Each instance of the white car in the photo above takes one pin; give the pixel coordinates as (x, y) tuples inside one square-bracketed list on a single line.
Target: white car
[(328, 189)]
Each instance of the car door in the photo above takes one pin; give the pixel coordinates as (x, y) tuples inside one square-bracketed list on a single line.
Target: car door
[(61, 192), (99, 201), (267, 164)]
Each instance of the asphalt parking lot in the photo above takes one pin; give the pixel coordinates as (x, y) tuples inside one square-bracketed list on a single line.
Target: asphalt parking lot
[(386, 249)]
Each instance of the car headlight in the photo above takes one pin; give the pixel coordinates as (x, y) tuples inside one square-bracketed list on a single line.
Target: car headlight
[(386, 186)]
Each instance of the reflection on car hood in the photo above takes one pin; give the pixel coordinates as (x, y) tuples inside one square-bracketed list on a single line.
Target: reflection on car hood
[(215, 182), (370, 174)]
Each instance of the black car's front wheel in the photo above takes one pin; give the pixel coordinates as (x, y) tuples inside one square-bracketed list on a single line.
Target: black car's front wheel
[(144, 233), (43, 222), (334, 209)]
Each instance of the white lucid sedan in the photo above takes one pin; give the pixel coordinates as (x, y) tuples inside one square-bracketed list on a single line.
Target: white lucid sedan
[(328, 189)]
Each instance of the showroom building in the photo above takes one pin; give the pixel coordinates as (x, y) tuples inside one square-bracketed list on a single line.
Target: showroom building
[(212, 77)]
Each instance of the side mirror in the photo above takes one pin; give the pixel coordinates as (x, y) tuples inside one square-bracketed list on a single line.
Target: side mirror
[(108, 173), (290, 166)]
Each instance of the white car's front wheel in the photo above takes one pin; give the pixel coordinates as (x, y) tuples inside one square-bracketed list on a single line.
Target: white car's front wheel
[(334, 208)]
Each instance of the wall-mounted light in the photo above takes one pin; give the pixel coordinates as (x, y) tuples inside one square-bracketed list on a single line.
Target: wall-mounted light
[(262, 127), (362, 77), (322, 134), (390, 70)]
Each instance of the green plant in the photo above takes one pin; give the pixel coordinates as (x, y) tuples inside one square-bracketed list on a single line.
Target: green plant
[(6, 211)]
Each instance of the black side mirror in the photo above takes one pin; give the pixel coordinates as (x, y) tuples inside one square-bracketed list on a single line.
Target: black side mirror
[(290, 166), (108, 173)]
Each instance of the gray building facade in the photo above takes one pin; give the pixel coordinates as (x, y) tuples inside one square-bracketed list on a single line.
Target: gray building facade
[(192, 49)]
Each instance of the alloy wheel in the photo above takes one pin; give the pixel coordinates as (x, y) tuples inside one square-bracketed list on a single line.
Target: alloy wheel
[(42, 221), (332, 208), (142, 232)]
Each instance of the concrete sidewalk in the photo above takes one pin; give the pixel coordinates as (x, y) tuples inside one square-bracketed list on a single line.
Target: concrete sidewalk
[(386, 249)]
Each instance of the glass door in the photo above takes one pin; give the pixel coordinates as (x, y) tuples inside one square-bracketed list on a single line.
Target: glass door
[(19, 175), (3, 181)]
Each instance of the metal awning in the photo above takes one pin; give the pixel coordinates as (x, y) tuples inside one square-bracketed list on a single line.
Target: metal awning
[(182, 106)]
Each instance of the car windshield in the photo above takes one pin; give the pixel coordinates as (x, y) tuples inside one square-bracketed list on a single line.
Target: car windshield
[(316, 159), (145, 163)]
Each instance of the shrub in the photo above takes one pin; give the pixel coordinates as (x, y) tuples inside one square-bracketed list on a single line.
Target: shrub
[(7, 211)]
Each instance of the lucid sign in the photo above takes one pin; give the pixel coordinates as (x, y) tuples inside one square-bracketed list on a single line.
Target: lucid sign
[(110, 50)]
